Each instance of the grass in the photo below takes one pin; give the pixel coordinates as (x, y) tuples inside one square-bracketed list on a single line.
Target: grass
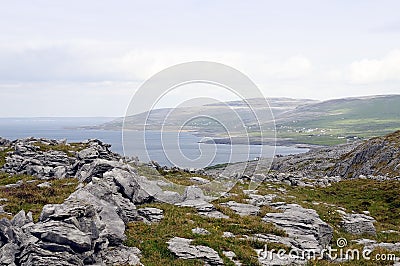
[(180, 177), (178, 222), (3, 154), (29, 197)]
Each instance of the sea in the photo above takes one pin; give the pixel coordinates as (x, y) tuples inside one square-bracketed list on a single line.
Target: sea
[(166, 148)]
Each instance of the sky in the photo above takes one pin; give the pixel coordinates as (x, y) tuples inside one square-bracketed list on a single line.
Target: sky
[(87, 58)]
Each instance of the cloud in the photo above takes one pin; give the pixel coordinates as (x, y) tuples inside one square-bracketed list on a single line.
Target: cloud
[(99, 61), (385, 69)]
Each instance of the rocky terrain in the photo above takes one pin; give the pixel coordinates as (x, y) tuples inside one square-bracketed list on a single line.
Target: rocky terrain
[(119, 213), (377, 158)]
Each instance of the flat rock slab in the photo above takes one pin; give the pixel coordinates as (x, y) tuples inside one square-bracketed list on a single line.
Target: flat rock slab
[(214, 214), (259, 200), (241, 208), (200, 231), (302, 225), (121, 256), (358, 224), (63, 234), (152, 215), (182, 248)]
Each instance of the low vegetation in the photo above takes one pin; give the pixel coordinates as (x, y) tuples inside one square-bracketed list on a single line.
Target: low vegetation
[(178, 222), (69, 148), (3, 154), (29, 197)]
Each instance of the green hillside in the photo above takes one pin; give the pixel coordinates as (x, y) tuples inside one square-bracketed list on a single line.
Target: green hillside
[(339, 121), (298, 121)]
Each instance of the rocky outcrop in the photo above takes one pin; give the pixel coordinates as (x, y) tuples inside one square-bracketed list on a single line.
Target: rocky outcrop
[(372, 158), (377, 156), (88, 228), (317, 162), (28, 157), (182, 248)]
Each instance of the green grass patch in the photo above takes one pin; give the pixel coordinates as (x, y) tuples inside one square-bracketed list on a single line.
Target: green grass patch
[(68, 148), (3, 155), (178, 222), (29, 197)]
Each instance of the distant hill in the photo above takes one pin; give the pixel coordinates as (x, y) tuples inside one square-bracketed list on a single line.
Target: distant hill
[(341, 120), (155, 118), (298, 121)]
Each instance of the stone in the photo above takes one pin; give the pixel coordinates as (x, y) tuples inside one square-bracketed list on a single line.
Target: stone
[(214, 214), (183, 249), (259, 200), (121, 256), (113, 227), (151, 191), (200, 231), (199, 180), (63, 234), (15, 185), (152, 215), (8, 253), (193, 193), (44, 185), (20, 219), (241, 208), (125, 180), (228, 235), (302, 225), (34, 255), (358, 224)]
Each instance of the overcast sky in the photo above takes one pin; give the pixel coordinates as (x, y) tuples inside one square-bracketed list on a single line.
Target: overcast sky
[(87, 58)]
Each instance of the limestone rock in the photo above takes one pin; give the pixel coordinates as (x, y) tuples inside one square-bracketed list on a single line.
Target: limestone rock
[(241, 208), (63, 234), (182, 248), (302, 225), (200, 231), (151, 214), (121, 256), (358, 224)]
